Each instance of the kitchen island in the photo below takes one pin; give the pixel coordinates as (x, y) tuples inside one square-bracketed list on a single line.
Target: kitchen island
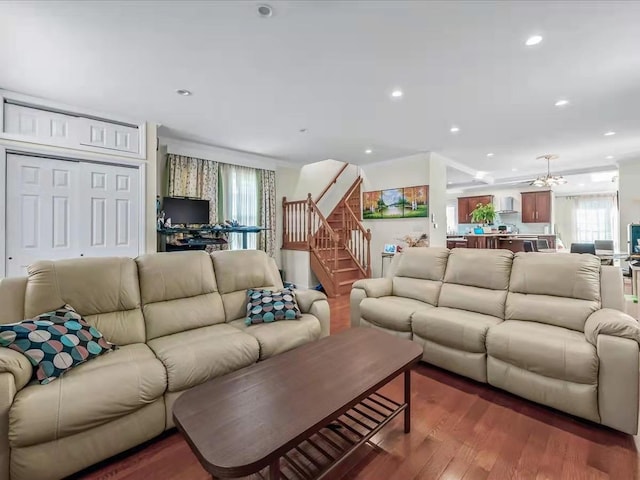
[(508, 241)]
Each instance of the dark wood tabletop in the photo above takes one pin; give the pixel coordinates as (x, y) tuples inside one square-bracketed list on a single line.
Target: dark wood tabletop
[(240, 423)]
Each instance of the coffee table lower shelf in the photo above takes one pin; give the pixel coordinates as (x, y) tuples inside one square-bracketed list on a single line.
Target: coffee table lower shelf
[(319, 455)]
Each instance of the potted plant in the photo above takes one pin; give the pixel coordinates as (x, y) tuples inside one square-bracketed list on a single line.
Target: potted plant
[(484, 214)]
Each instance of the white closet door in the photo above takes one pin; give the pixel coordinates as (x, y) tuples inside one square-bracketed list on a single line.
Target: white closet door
[(42, 208), (109, 210)]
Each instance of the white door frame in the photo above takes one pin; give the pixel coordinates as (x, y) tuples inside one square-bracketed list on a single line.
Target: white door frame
[(7, 148)]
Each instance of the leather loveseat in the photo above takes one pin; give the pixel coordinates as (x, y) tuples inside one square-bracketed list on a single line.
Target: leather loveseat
[(178, 321), (547, 327)]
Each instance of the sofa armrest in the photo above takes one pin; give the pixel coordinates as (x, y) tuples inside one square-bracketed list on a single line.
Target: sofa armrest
[(608, 321), (7, 394), (17, 365), (618, 383), (375, 287), (367, 288), (315, 303)]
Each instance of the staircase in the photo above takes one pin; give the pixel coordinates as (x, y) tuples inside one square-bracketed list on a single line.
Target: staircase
[(339, 245)]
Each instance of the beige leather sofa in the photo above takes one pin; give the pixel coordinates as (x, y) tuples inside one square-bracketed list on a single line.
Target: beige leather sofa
[(177, 318), (547, 327)]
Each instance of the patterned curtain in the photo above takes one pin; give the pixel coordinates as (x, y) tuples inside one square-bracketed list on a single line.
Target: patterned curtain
[(195, 178), (267, 241)]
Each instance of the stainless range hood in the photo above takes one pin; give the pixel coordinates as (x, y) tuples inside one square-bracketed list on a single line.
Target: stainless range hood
[(506, 205)]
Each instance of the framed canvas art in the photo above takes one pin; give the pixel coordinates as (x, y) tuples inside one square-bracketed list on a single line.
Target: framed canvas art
[(416, 201), (407, 202), (371, 205)]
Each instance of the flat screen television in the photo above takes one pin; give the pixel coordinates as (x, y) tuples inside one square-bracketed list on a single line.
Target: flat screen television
[(186, 211)]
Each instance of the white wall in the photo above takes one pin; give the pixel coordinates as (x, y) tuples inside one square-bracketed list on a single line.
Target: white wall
[(219, 154), (396, 173), (297, 268), (437, 200), (629, 188)]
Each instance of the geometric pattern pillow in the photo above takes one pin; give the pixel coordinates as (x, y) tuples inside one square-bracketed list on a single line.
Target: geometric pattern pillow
[(265, 306), (55, 342)]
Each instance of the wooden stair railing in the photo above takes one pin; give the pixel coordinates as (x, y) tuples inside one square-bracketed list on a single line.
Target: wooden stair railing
[(357, 240), (339, 244), (323, 244), (295, 230), (332, 182)]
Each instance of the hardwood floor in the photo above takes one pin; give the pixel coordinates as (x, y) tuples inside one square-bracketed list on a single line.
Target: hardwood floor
[(461, 430)]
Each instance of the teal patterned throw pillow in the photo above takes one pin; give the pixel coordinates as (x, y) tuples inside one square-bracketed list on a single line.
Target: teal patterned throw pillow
[(54, 342), (264, 306)]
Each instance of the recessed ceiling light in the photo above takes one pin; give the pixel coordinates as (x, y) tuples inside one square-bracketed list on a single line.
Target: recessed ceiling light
[(449, 183), (183, 92), (480, 174), (562, 103), (609, 134), (454, 129), (609, 157), (368, 151), (490, 154), (265, 11), (533, 40), (581, 184), (514, 169), (397, 93)]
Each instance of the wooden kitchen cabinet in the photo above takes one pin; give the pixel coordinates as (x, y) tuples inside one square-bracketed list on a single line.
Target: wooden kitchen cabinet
[(536, 207), (466, 205)]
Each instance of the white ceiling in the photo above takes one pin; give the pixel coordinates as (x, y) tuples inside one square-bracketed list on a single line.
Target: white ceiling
[(330, 66)]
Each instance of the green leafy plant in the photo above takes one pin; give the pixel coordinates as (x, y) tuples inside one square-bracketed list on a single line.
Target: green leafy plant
[(484, 214)]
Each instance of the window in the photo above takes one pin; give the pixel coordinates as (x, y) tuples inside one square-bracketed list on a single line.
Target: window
[(586, 218), (239, 200), (452, 226), (596, 218)]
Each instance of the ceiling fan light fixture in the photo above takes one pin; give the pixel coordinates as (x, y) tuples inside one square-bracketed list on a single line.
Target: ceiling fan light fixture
[(548, 180)]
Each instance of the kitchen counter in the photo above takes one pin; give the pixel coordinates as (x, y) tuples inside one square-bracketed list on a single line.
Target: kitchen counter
[(509, 241)]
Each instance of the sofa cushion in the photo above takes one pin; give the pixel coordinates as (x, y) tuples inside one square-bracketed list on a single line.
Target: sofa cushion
[(567, 275), (104, 291), (484, 268), (278, 337), (393, 313), (55, 342), (241, 270), (547, 350), (473, 299), (419, 274), (454, 328), (266, 306), (166, 301), (195, 356), (563, 312), (93, 394), (425, 263)]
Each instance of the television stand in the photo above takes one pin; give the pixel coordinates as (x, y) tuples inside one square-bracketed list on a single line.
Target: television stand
[(189, 238)]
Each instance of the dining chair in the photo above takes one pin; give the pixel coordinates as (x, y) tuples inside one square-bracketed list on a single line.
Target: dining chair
[(583, 248), (542, 243)]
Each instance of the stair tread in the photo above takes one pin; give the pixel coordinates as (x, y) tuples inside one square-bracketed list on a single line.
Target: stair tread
[(348, 282), (347, 269)]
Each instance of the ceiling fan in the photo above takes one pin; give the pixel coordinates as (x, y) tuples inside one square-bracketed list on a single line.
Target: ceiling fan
[(548, 180)]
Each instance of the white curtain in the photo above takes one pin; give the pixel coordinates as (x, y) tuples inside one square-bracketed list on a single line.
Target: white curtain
[(586, 218), (239, 200)]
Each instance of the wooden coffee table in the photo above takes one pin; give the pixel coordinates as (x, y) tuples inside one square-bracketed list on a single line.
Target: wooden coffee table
[(301, 413)]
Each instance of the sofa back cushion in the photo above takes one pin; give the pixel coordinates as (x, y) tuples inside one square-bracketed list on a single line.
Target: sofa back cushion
[(419, 272), (557, 289), (103, 290), (239, 270), (179, 292), (477, 280)]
